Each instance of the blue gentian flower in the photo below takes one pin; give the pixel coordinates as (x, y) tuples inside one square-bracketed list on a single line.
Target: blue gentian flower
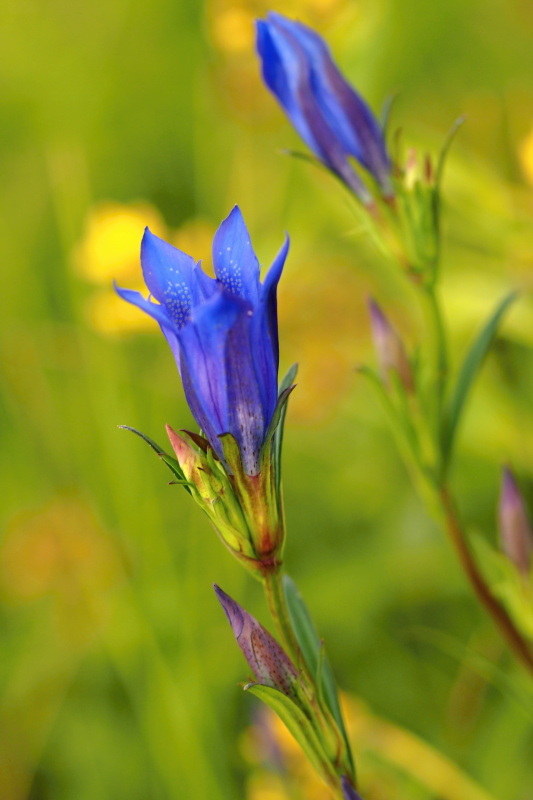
[(223, 333), (332, 119)]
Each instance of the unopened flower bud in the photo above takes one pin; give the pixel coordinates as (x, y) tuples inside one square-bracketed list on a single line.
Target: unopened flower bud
[(389, 348), (266, 658), (515, 527), (348, 790)]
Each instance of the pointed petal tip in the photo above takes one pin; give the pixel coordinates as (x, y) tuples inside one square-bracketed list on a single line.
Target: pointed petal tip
[(510, 493), (348, 790), (378, 318), (232, 609)]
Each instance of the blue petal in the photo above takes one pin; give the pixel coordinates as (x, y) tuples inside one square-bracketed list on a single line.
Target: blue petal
[(264, 336), (287, 72), (246, 413), (347, 113), (159, 313), (168, 273), (203, 356), (269, 295), (154, 310), (236, 265)]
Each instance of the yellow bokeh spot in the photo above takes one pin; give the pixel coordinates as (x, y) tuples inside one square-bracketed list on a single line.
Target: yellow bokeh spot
[(109, 249), (110, 314), (526, 156), (56, 549), (233, 30), (232, 23)]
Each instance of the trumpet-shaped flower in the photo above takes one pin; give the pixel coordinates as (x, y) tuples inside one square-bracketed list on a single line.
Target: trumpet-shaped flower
[(332, 119), (222, 331)]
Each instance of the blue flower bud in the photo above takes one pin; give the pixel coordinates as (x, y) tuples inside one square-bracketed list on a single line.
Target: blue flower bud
[(332, 119)]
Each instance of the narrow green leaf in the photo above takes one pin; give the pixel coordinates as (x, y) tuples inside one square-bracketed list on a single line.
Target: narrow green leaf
[(299, 725), (468, 373), (313, 652), (386, 112), (446, 149), (171, 462), (285, 386)]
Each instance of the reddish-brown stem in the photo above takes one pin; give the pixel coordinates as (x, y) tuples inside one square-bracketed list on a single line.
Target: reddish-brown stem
[(501, 618)]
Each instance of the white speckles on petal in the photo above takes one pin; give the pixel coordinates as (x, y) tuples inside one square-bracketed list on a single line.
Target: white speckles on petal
[(178, 302)]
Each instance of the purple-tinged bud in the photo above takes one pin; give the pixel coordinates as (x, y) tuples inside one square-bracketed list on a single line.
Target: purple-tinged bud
[(348, 790), (267, 659), (389, 348), (515, 528)]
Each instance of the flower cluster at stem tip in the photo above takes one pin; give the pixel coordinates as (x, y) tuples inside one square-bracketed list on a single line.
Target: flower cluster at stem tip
[(223, 333)]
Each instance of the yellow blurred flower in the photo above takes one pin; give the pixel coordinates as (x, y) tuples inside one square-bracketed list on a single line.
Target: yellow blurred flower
[(61, 553), (526, 156), (385, 752), (108, 313), (231, 22), (53, 550), (233, 29), (109, 248)]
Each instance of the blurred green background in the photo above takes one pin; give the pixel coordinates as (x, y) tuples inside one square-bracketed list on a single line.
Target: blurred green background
[(118, 675)]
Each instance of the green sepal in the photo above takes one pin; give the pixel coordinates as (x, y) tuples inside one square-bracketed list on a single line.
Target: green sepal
[(286, 385), (314, 655), (197, 439), (257, 498), (299, 726), (467, 375), (171, 462), (232, 454)]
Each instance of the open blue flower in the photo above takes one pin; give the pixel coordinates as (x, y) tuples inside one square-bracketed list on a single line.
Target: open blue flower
[(223, 332), (332, 119)]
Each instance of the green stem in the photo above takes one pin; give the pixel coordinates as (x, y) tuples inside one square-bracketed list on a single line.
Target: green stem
[(439, 367), (323, 719), (277, 605)]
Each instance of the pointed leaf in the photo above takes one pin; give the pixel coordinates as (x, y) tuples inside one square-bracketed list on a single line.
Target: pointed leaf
[(313, 652), (468, 373), (299, 725), (446, 148), (171, 463)]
